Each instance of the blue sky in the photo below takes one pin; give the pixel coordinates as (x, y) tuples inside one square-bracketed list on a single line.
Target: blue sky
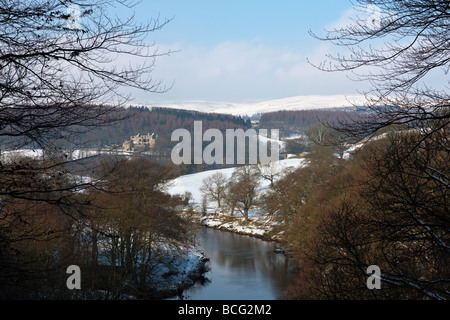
[(247, 50), (204, 22)]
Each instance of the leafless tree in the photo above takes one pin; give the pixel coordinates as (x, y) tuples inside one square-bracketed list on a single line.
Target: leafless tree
[(271, 171), (408, 180), (242, 188), (214, 187), (59, 79), (65, 67), (416, 44), (324, 135)]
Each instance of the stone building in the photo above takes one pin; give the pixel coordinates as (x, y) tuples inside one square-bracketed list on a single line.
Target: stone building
[(140, 142)]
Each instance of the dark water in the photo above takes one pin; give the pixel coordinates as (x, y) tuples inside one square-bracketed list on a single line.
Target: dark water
[(242, 268)]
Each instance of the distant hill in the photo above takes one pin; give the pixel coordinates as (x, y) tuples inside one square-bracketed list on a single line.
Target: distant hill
[(311, 102)]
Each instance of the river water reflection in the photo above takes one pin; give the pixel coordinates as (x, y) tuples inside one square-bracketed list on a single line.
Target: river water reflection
[(242, 268)]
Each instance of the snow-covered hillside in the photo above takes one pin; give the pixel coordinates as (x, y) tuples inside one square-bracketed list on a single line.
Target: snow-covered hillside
[(259, 225), (192, 182), (251, 108)]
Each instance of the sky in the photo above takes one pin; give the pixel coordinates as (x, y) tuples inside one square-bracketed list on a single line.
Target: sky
[(243, 50)]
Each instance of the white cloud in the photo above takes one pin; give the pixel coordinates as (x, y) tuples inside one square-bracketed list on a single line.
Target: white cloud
[(237, 71)]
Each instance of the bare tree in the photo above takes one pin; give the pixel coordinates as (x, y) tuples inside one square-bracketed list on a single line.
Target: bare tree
[(270, 171), (55, 79), (58, 80), (324, 135), (141, 228), (242, 188), (65, 67), (407, 179), (214, 187), (397, 69)]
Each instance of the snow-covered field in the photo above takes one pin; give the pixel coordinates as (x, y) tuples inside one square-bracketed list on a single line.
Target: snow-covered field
[(192, 182), (258, 225)]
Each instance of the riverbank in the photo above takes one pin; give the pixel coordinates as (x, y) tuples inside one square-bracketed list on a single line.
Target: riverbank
[(189, 272), (242, 267), (257, 226)]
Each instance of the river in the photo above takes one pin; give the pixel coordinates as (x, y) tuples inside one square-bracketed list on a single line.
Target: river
[(242, 268)]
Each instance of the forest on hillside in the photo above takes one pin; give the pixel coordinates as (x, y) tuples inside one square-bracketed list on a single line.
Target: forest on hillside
[(297, 121), (162, 121)]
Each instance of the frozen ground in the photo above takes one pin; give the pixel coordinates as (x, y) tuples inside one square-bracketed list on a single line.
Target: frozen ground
[(258, 224), (192, 182)]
